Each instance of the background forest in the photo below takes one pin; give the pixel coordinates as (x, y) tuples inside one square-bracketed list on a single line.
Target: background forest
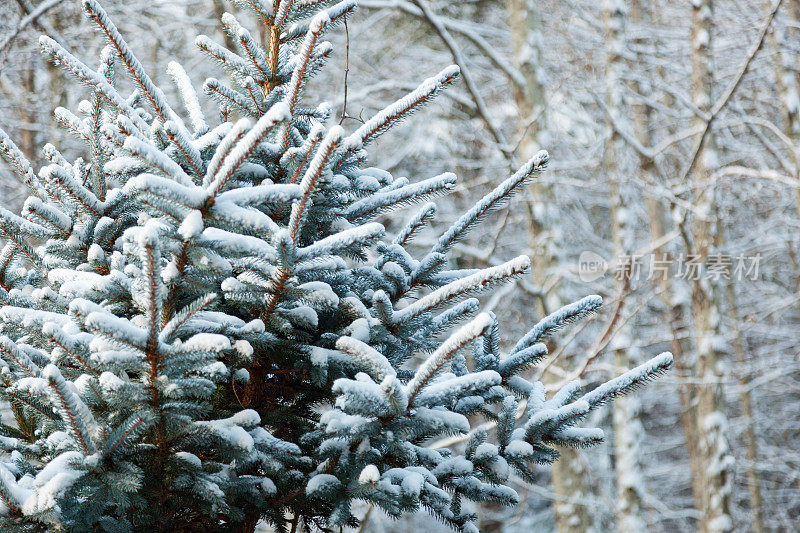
[(674, 192)]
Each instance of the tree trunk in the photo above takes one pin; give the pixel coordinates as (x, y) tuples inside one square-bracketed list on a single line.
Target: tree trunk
[(27, 134), (628, 429), (675, 311), (749, 433), (711, 419), (568, 472)]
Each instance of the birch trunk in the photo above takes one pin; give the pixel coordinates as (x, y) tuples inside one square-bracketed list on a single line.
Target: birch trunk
[(628, 429), (745, 401), (675, 312), (712, 422), (568, 473)]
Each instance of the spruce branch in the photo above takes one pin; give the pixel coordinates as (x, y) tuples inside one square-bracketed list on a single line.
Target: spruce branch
[(61, 182), (318, 24), (398, 198), (630, 380), (263, 10), (157, 159), (188, 95), (374, 361), (184, 315), (476, 282), (315, 169), (248, 46), (308, 148), (19, 163), (491, 201), (190, 154), (76, 415), (279, 113), (153, 94), (11, 352), (233, 136), (402, 108), (413, 226), (434, 363), (89, 77), (230, 98), (557, 320), (137, 424), (236, 66), (336, 13)]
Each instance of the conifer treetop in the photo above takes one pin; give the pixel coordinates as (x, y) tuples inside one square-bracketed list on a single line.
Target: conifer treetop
[(204, 325)]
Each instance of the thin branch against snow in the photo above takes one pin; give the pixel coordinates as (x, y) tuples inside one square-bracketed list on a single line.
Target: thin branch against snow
[(472, 88), (457, 26), (726, 96), (30, 18)]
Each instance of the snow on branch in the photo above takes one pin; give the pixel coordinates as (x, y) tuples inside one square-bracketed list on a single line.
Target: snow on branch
[(59, 180), (360, 236), (279, 113), (413, 226), (153, 93), (262, 9), (400, 109), (233, 136), (156, 159), (381, 202), (436, 361), (9, 350), (184, 145), (89, 77), (336, 13), (310, 178), (557, 320), (630, 380), (19, 163), (479, 281), (376, 364), (189, 96), (248, 45), (76, 415), (491, 201), (299, 75)]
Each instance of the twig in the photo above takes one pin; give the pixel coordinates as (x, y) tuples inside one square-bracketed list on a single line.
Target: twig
[(457, 26), (455, 51), (723, 100), (364, 520), (651, 152), (346, 68), (31, 18), (645, 152)]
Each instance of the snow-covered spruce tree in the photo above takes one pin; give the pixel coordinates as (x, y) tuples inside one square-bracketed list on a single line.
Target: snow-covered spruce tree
[(202, 327)]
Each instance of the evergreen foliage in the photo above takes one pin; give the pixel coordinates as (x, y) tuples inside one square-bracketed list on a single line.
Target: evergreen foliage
[(203, 326)]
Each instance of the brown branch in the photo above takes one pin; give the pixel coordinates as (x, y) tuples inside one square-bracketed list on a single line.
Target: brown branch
[(129, 66), (71, 417), (139, 422), (274, 50), (723, 100), (455, 51), (31, 18), (346, 68), (197, 171)]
